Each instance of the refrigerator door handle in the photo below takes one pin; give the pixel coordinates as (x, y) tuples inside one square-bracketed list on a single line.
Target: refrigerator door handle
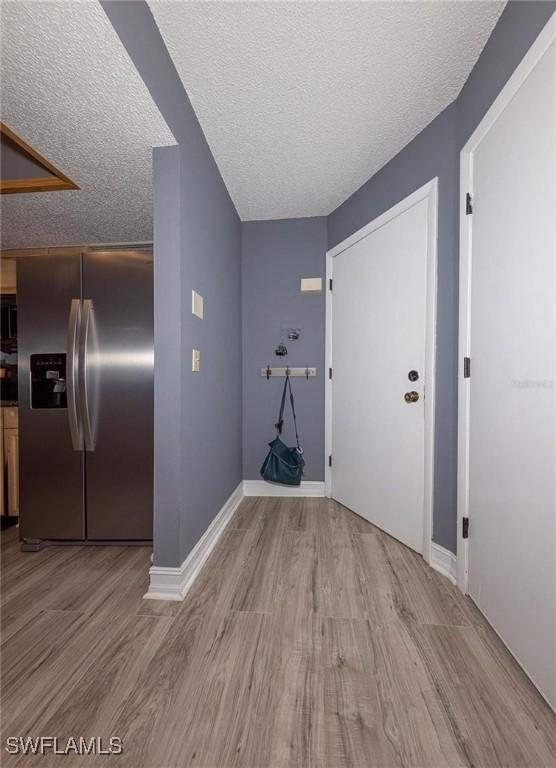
[(72, 374), (86, 333)]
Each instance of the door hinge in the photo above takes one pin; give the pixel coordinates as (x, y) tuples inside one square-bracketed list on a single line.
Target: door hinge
[(330, 284), (465, 527), (468, 204), (330, 373), (330, 461), (466, 367)]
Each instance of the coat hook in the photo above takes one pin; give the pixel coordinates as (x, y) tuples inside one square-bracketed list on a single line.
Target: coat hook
[(268, 372), (307, 374)]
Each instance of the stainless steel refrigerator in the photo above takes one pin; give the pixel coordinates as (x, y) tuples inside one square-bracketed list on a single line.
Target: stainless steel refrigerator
[(85, 339)]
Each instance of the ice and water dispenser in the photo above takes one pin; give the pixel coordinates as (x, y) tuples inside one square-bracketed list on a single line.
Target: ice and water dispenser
[(48, 381)]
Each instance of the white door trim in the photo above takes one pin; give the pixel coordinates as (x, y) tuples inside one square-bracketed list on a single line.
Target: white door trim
[(427, 192), (520, 75)]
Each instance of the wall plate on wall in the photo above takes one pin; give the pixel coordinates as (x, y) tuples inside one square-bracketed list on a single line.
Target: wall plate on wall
[(197, 304), (311, 284), (195, 360)]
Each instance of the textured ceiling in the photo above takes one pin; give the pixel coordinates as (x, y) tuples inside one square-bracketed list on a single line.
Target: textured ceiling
[(70, 89), (301, 102)]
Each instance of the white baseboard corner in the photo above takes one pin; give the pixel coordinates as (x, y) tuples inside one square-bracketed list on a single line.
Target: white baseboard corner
[(443, 561), (262, 488), (174, 583)]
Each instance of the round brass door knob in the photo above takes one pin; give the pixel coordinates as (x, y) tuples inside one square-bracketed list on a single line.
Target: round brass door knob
[(411, 397)]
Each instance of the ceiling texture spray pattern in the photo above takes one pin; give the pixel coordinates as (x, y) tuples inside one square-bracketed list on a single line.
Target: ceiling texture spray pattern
[(301, 102), (70, 89)]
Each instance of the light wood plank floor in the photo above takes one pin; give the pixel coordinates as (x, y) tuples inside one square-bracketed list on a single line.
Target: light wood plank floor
[(310, 639)]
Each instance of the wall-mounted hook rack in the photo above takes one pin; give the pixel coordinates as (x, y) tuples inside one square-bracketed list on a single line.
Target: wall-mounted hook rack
[(270, 371)]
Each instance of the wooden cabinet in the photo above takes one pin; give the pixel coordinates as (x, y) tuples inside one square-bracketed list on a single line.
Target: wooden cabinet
[(10, 462)]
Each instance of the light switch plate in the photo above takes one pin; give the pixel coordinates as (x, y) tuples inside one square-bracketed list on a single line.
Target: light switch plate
[(311, 284), (196, 360), (197, 304)]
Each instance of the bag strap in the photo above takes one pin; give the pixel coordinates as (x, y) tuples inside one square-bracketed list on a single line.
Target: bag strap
[(280, 423), (293, 411)]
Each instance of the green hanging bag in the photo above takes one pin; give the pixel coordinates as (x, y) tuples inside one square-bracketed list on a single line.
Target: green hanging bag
[(284, 465)]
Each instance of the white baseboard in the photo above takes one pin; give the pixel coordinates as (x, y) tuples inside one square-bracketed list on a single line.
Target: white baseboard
[(262, 488), (173, 583), (443, 561)]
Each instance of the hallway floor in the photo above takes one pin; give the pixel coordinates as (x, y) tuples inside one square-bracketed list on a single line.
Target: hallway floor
[(310, 639)]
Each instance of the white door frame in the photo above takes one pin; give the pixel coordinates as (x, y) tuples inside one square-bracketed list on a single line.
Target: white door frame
[(520, 75), (429, 192)]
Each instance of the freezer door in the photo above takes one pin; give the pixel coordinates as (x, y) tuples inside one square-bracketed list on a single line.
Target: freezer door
[(51, 471), (116, 393)]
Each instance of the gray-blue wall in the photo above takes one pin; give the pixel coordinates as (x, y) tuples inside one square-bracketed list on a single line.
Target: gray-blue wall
[(194, 214), (198, 429), (275, 256), (167, 355), (435, 152)]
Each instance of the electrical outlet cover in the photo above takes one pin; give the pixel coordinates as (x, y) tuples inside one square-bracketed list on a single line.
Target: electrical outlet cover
[(311, 284), (196, 360), (197, 304)]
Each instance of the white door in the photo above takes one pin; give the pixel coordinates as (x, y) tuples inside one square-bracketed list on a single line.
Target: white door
[(512, 459), (379, 338)]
